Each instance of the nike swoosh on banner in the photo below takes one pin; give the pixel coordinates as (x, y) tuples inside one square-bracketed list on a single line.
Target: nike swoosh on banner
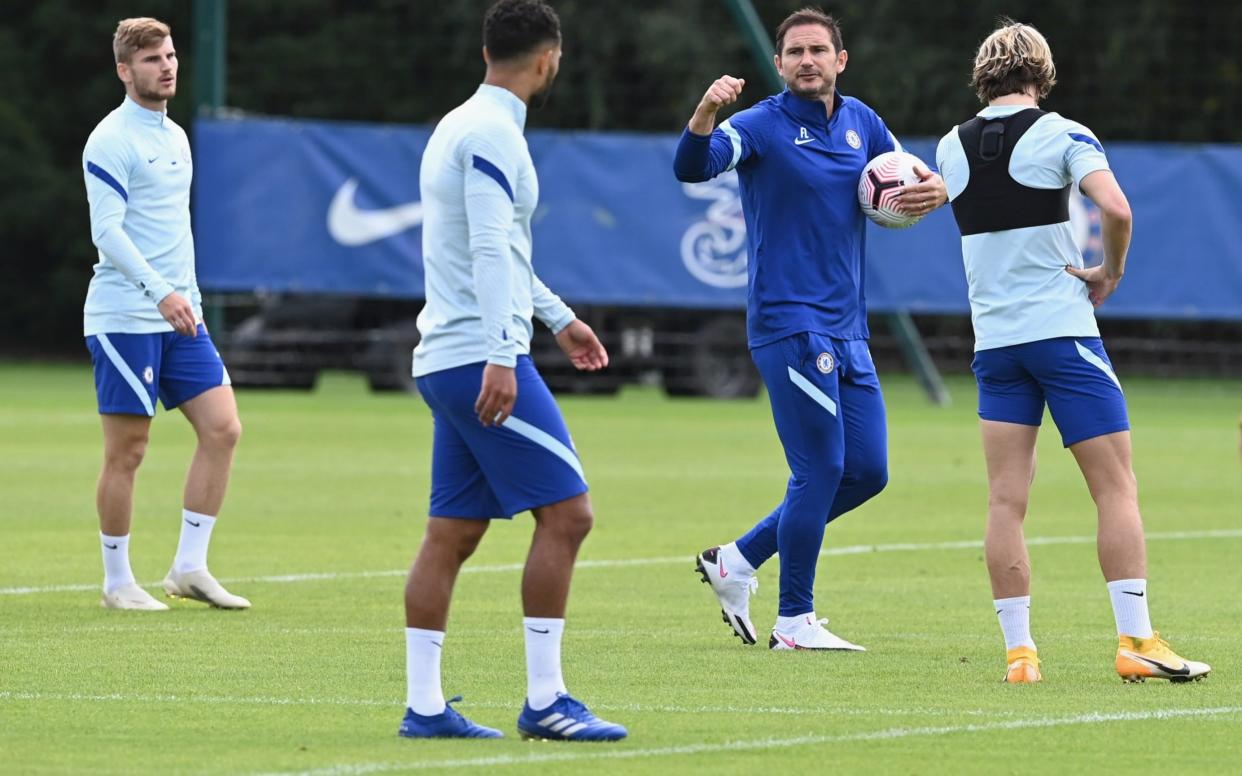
[(351, 226)]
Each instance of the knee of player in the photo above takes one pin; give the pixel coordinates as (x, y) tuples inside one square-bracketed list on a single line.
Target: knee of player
[(127, 454), (579, 523), (874, 476), (1122, 486), (1007, 501), (128, 458), (467, 545), (829, 475), (225, 433)]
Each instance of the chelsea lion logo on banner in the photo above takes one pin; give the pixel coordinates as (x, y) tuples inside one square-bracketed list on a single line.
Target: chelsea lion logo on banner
[(825, 363)]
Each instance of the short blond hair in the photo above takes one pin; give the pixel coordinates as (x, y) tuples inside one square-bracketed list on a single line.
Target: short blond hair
[(136, 34), (1013, 58)]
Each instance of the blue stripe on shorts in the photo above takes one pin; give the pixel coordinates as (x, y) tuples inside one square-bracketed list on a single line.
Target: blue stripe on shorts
[(485, 472), (1071, 375)]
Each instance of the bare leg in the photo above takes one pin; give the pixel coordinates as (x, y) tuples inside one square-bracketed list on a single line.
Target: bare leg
[(125, 444), (1010, 452), (447, 544), (213, 414), (1105, 464), (560, 529)]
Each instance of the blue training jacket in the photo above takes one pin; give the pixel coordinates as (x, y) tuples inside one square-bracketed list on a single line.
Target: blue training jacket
[(798, 175)]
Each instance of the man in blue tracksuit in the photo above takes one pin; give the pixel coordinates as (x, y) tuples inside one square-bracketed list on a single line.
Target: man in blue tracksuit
[(799, 155)]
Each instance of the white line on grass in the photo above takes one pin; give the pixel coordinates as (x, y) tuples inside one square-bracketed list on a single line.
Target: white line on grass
[(395, 703), (857, 549), (1093, 718)]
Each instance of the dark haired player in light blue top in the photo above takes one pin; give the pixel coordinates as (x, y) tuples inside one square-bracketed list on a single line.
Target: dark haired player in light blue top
[(501, 446)]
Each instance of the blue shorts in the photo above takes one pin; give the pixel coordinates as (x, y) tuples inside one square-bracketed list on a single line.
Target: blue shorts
[(488, 472), (132, 369), (1071, 374)]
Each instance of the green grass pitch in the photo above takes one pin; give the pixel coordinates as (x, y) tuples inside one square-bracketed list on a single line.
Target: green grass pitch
[(327, 506)]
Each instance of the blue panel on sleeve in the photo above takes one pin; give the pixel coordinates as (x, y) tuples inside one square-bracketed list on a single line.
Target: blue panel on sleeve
[(491, 170), (1088, 140), (104, 176)]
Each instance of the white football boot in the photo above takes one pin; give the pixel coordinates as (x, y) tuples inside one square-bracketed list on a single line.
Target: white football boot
[(132, 597), (200, 585), (810, 633), (733, 590)]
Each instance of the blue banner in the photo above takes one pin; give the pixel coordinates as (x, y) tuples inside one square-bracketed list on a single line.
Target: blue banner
[(319, 207)]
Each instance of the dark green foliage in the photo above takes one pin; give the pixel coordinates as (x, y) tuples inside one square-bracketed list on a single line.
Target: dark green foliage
[(1133, 70)]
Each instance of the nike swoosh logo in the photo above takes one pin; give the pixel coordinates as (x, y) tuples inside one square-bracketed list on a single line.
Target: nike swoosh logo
[(788, 642), (351, 226), (152, 160), (1183, 671), (536, 630), (1138, 595), (111, 546), (438, 644), (802, 141), (721, 568), (191, 522)]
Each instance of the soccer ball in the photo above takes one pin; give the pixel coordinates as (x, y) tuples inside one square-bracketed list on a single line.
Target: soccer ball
[(881, 179)]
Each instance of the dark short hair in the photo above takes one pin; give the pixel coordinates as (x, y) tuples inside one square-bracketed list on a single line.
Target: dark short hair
[(809, 15), (514, 28)]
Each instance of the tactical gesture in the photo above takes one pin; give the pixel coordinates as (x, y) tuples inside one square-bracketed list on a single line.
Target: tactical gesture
[(724, 91)]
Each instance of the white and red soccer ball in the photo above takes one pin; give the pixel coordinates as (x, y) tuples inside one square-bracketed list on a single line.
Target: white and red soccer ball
[(881, 179)]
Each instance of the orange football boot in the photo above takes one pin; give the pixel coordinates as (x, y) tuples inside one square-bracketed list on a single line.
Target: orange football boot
[(1023, 666), (1142, 659)]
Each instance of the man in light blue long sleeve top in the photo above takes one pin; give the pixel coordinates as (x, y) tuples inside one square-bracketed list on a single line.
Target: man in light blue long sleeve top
[(142, 321), (501, 446)]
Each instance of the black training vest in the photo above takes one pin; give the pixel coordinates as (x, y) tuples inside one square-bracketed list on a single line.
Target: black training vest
[(993, 201)]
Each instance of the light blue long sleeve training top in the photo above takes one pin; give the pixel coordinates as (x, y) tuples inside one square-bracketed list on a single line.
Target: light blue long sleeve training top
[(479, 191), (138, 170)]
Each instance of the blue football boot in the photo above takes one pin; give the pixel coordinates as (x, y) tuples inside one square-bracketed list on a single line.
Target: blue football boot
[(567, 719), (447, 724)]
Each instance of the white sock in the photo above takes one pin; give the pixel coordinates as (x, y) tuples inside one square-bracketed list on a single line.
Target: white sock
[(422, 671), (734, 561), (791, 624), (117, 572), (1015, 620), (1130, 607), (195, 536), (543, 660)]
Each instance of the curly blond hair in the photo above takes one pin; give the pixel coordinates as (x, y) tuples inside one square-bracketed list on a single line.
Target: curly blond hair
[(136, 34), (1012, 59)]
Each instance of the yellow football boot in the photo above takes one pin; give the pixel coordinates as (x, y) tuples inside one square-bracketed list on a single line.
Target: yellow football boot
[(1023, 666), (1142, 659)]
